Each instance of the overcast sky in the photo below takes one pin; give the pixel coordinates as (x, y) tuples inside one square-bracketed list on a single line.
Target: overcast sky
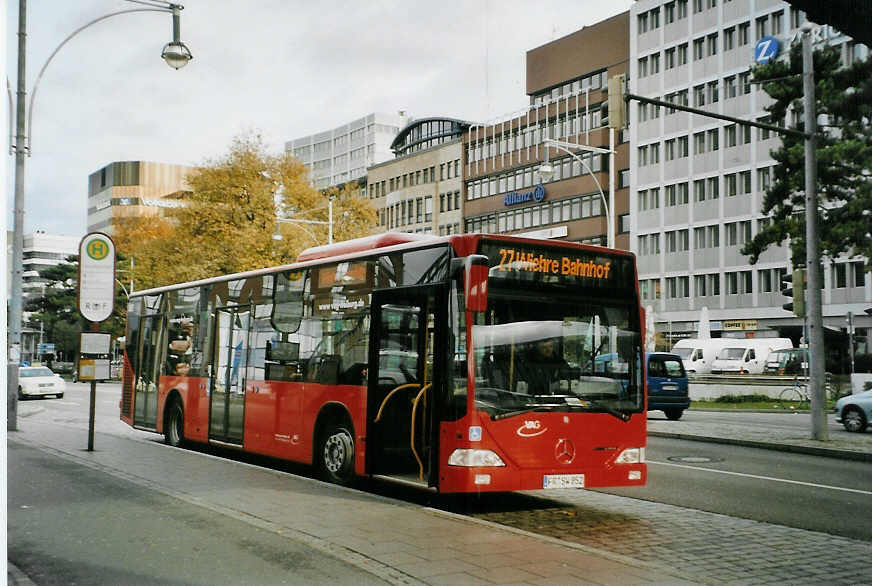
[(283, 68)]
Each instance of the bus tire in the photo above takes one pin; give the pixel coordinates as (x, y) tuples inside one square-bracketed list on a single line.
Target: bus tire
[(336, 454), (174, 424)]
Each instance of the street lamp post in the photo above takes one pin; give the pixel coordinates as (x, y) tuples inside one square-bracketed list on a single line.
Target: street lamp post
[(301, 223), (546, 172), (175, 53)]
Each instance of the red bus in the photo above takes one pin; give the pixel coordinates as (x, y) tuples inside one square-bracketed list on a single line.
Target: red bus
[(464, 363)]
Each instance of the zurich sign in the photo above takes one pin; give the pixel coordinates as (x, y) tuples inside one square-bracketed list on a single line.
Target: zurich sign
[(537, 195), (766, 50)]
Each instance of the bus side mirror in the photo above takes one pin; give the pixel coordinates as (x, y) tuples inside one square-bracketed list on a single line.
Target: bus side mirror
[(475, 272)]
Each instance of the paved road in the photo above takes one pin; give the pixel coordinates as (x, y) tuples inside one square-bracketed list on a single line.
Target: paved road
[(793, 490)]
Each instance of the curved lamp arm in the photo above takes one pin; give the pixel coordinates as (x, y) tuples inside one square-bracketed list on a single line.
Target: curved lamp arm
[(592, 174), (29, 130)]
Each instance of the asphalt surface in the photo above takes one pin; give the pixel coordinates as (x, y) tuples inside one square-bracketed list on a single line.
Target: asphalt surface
[(340, 536)]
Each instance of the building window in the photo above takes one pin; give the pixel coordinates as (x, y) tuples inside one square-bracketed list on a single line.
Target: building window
[(712, 44), (762, 26), (714, 236), (714, 283), (732, 283), (730, 135), (713, 188), (713, 139), (682, 54), (699, 96), (729, 38), (712, 91), (681, 8), (732, 234), (730, 87), (624, 224), (698, 48), (699, 190), (744, 33), (669, 58), (699, 143), (623, 178)]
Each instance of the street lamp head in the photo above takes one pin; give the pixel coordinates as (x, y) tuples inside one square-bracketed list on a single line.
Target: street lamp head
[(546, 172), (176, 54)]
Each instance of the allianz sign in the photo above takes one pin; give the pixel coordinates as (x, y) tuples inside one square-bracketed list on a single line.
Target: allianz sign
[(537, 195)]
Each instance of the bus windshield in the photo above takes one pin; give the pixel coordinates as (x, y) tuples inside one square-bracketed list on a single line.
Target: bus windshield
[(560, 355)]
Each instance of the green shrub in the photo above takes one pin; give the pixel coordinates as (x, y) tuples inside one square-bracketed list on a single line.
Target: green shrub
[(743, 399)]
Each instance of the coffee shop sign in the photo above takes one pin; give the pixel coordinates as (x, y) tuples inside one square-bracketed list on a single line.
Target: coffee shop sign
[(537, 195)]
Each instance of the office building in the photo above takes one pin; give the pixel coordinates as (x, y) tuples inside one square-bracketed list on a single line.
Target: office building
[(335, 157), (698, 183), (567, 82), (133, 188), (419, 190)]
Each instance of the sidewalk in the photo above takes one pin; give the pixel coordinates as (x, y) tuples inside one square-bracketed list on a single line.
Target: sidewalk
[(398, 542)]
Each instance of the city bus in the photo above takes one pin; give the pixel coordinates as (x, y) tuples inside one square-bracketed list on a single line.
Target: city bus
[(406, 357)]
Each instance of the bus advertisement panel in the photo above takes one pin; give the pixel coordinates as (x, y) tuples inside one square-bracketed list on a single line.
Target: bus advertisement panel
[(464, 364)]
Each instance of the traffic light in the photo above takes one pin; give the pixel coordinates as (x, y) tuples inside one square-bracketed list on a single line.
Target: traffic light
[(616, 114), (795, 288)]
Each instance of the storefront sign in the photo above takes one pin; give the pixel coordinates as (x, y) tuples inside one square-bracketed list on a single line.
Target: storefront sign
[(739, 324), (537, 195)]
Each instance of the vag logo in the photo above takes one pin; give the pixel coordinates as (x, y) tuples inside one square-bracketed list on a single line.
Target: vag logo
[(531, 428)]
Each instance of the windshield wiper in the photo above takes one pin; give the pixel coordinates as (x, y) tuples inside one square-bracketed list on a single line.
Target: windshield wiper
[(529, 409), (622, 415)]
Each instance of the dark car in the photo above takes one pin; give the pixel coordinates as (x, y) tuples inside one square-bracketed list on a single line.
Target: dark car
[(667, 384)]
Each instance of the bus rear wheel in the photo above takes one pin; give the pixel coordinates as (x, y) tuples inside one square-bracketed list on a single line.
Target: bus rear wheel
[(174, 425), (336, 454)]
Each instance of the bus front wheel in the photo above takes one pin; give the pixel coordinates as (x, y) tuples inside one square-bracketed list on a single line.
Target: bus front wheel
[(336, 454), (174, 425)]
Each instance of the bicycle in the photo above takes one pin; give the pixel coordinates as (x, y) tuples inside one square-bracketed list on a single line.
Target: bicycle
[(795, 397)]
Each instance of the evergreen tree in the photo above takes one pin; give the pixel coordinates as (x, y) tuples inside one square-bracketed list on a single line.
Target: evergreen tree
[(843, 98)]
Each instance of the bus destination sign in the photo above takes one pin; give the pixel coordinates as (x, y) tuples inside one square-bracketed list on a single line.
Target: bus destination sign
[(552, 262)]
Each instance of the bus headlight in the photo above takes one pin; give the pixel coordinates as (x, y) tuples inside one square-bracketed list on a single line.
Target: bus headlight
[(631, 456), (470, 457)]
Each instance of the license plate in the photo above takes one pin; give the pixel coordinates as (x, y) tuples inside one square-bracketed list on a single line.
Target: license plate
[(44, 385), (563, 481), (669, 387)]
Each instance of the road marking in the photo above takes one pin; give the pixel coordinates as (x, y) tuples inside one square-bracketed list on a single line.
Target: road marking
[(742, 474)]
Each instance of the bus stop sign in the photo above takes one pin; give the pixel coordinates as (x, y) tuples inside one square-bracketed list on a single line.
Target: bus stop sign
[(96, 276)]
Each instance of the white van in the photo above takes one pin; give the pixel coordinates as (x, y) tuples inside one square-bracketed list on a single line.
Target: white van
[(698, 354), (747, 355)]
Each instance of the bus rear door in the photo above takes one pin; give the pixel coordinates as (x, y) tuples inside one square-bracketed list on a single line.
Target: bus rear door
[(230, 352), (406, 372)]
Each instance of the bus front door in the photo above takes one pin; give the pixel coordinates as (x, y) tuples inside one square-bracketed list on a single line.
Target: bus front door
[(402, 418), (229, 358), (151, 353)]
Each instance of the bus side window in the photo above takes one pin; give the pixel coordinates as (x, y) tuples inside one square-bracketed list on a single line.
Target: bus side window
[(288, 295)]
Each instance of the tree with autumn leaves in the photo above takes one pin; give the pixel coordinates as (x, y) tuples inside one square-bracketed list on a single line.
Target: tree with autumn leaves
[(227, 221)]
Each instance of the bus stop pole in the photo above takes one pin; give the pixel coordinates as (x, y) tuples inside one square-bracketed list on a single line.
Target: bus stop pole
[(91, 416), (92, 407)]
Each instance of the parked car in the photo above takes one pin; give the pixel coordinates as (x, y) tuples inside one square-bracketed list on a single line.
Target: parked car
[(854, 411), (698, 354), (747, 355), (787, 361), (667, 384), (38, 381)]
